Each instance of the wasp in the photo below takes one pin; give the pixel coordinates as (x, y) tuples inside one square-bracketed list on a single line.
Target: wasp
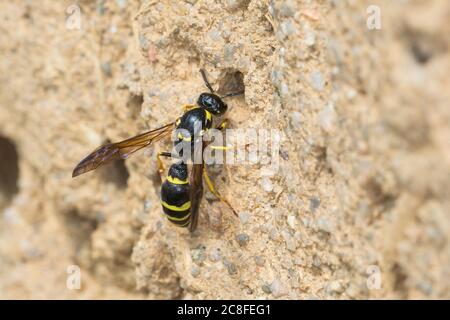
[(181, 192)]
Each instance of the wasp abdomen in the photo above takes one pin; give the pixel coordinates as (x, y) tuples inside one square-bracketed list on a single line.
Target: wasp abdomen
[(175, 197)]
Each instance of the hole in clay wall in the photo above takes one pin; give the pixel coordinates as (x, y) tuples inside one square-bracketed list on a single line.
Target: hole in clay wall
[(9, 171), (134, 105), (232, 81), (423, 46), (421, 53), (116, 173), (79, 230)]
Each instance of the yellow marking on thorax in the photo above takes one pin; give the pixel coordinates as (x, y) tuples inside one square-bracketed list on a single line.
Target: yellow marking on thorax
[(180, 136), (184, 207), (176, 180), (208, 116)]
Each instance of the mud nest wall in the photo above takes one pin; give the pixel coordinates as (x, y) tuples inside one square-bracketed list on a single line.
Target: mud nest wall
[(362, 190)]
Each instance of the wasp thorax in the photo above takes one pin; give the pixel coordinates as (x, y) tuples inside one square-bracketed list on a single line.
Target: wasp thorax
[(179, 170), (212, 103)]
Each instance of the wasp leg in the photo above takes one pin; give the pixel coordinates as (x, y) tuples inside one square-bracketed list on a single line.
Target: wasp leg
[(214, 192), (207, 84), (233, 94), (161, 167), (223, 148), (223, 124), (188, 107)]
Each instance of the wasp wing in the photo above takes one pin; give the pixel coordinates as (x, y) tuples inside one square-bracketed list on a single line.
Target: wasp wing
[(196, 193), (120, 150)]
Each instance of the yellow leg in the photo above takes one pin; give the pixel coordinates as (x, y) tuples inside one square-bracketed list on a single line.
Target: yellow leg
[(188, 107), (223, 124), (214, 192), (220, 147), (161, 168)]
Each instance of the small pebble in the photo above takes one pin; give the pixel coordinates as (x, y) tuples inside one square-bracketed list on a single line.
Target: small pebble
[(324, 225), (278, 289), (291, 244), (352, 291), (286, 9), (334, 287), (284, 89), (215, 255), (292, 221), (121, 3), (143, 42), (101, 7), (214, 35), (276, 76), (11, 216), (195, 271), (288, 28), (198, 255), (242, 239), (327, 117), (284, 154), (426, 287), (296, 119), (298, 261), (231, 267), (314, 203), (273, 234), (234, 4), (244, 217), (306, 222), (267, 184), (351, 94), (147, 205), (266, 288), (106, 68), (317, 81), (229, 53), (260, 261), (310, 39), (316, 261)]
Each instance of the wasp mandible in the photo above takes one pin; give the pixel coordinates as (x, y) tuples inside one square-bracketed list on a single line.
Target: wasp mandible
[(181, 192)]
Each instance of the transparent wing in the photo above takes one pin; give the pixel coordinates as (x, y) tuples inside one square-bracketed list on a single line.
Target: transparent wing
[(120, 150), (196, 193)]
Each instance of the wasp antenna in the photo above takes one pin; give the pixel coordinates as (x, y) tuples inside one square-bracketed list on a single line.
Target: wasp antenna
[(233, 94), (205, 79)]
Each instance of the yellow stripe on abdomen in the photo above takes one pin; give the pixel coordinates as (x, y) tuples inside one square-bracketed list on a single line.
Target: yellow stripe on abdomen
[(175, 219), (184, 207), (176, 180)]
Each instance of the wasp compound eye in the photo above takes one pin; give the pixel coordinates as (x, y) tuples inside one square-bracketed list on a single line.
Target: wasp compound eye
[(212, 103)]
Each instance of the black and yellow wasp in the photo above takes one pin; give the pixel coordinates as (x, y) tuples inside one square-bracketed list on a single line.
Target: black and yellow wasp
[(181, 193)]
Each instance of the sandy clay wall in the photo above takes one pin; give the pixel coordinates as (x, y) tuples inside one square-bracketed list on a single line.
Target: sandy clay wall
[(358, 207)]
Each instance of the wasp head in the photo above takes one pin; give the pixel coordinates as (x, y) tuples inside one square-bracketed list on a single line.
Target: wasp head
[(213, 103)]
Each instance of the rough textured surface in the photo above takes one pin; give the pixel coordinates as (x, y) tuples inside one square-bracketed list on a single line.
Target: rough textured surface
[(364, 175)]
